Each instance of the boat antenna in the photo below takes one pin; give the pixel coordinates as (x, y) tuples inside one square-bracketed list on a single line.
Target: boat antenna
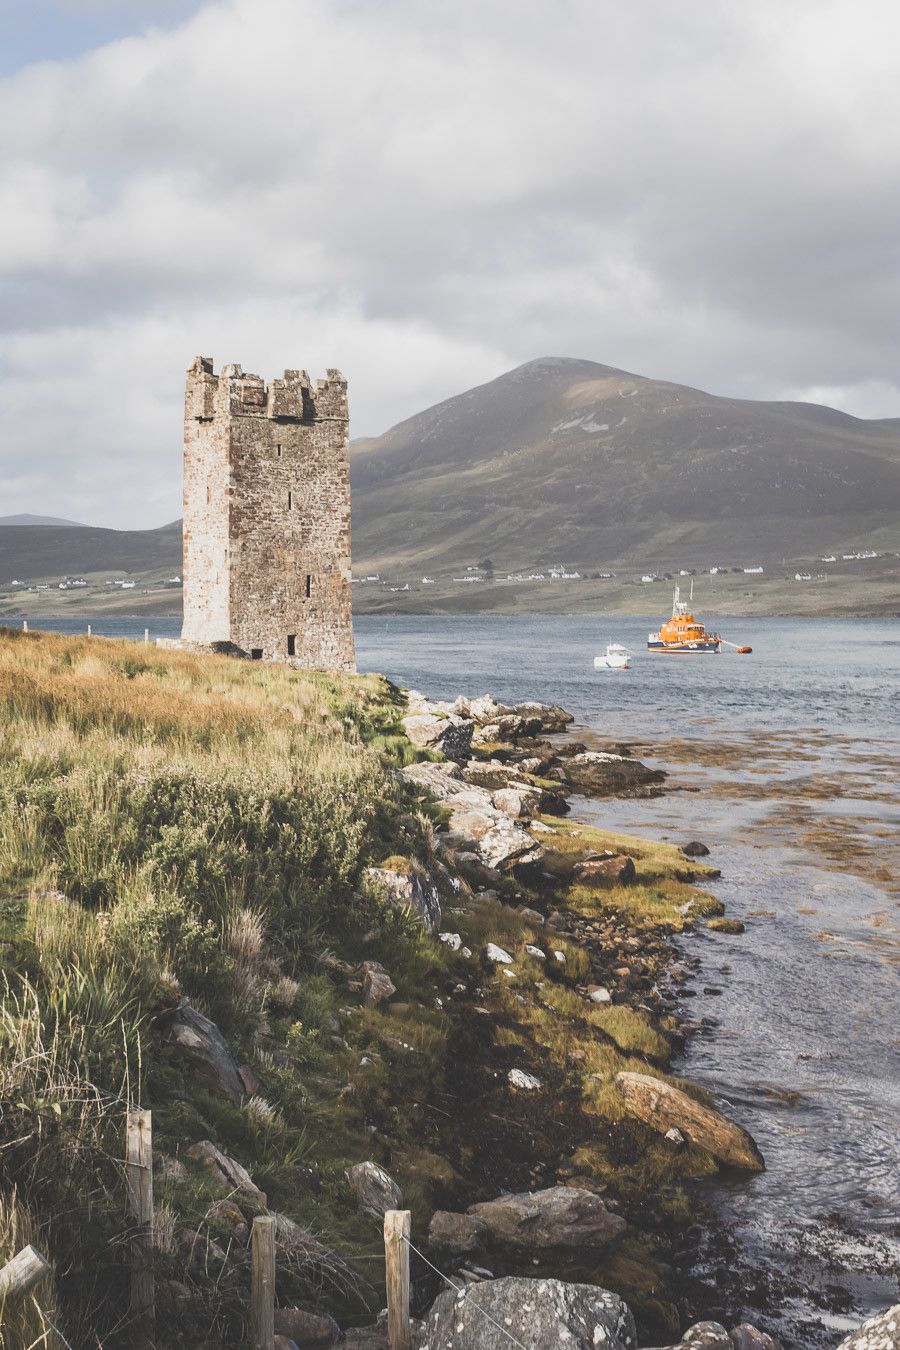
[(692, 590)]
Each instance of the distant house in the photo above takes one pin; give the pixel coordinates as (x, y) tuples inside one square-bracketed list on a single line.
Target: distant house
[(802, 576), (428, 581), (752, 571)]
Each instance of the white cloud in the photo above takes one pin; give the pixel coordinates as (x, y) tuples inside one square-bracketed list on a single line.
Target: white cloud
[(425, 194)]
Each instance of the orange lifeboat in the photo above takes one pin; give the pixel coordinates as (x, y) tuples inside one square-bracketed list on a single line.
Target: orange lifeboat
[(683, 634)]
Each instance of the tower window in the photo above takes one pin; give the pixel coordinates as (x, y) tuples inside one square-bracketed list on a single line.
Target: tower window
[(290, 500), (278, 451), (292, 644), (308, 585)]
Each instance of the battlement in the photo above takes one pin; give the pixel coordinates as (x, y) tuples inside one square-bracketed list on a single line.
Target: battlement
[(239, 393)]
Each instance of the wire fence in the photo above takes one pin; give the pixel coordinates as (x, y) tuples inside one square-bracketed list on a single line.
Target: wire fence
[(464, 1288)]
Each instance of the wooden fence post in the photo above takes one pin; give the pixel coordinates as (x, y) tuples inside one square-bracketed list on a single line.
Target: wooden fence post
[(139, 1184), (22, 1273), (262, 1284), (397, 1228)]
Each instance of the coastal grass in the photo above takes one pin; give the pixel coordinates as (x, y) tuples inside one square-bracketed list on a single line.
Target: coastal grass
[(176, 826)]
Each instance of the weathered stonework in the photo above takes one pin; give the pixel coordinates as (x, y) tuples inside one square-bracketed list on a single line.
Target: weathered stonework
[(267, 516)]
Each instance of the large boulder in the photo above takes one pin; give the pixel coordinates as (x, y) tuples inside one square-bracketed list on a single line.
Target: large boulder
[(878, 1333), (375, 1189), (476, 826), (550, 717), (537, 1313), (481, 710), (230, 1177), (662, 1106), (612, 869), (518, 801), (713, 1336), (408, 886), (377, 985), (492, 774), (598, 773), (202, 1044), (707, 1336), (561, 1218), (452, 736)]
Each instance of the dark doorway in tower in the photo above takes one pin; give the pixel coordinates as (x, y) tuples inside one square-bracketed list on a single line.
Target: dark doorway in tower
[(256, 653), (292, 644)]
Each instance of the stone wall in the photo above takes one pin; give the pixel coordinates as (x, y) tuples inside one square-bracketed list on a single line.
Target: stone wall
[(267, 516)]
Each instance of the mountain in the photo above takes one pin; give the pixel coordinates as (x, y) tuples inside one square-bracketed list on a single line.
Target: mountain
[(26, 519), (30, 551), (569, 460)]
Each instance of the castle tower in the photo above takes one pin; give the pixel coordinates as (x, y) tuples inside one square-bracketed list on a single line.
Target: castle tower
[(267, 516)]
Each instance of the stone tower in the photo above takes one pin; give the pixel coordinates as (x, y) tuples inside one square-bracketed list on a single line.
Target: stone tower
[(267, 516)]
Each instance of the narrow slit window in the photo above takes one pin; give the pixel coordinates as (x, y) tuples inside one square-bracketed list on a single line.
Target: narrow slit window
[(308, 585), (292, 644), (278, 451), (290, 500)]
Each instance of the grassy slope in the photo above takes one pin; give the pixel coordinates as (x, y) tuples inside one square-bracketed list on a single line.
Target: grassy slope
[(174, 826)]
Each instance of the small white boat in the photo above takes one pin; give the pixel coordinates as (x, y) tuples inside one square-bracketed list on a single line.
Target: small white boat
[(616, 657)]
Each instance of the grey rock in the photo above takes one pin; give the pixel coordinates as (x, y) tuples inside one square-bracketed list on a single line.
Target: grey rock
[(202, 1044), (375, 1189), (452, 1232), (746, 1337), (561, 1218), (432, 728), (492, 775), (695, 849), (411, 889), (312, 1331), (476, 826), (881, 1332), (550, 717), (230, 1176), (662, 1106), (517, 801), (599, 773), (377, 985), (538, 1313), (614, 869), (708, 1335)]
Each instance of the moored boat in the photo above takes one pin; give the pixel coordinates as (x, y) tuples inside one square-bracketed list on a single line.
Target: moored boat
[(683, 634), (616, 657)]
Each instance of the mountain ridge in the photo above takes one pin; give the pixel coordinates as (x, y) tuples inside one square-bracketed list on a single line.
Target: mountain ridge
[(565, 459)]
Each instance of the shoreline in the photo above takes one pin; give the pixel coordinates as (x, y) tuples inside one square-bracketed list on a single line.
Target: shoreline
[(645, 975)]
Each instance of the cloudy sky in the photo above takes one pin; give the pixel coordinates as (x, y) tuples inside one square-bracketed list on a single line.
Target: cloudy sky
[(425, 194)]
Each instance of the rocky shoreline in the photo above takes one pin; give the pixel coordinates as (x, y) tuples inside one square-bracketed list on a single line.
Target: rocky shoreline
[(592, 1172)]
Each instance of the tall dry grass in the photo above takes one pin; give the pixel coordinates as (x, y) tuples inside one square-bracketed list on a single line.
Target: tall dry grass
[(171, 826)]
